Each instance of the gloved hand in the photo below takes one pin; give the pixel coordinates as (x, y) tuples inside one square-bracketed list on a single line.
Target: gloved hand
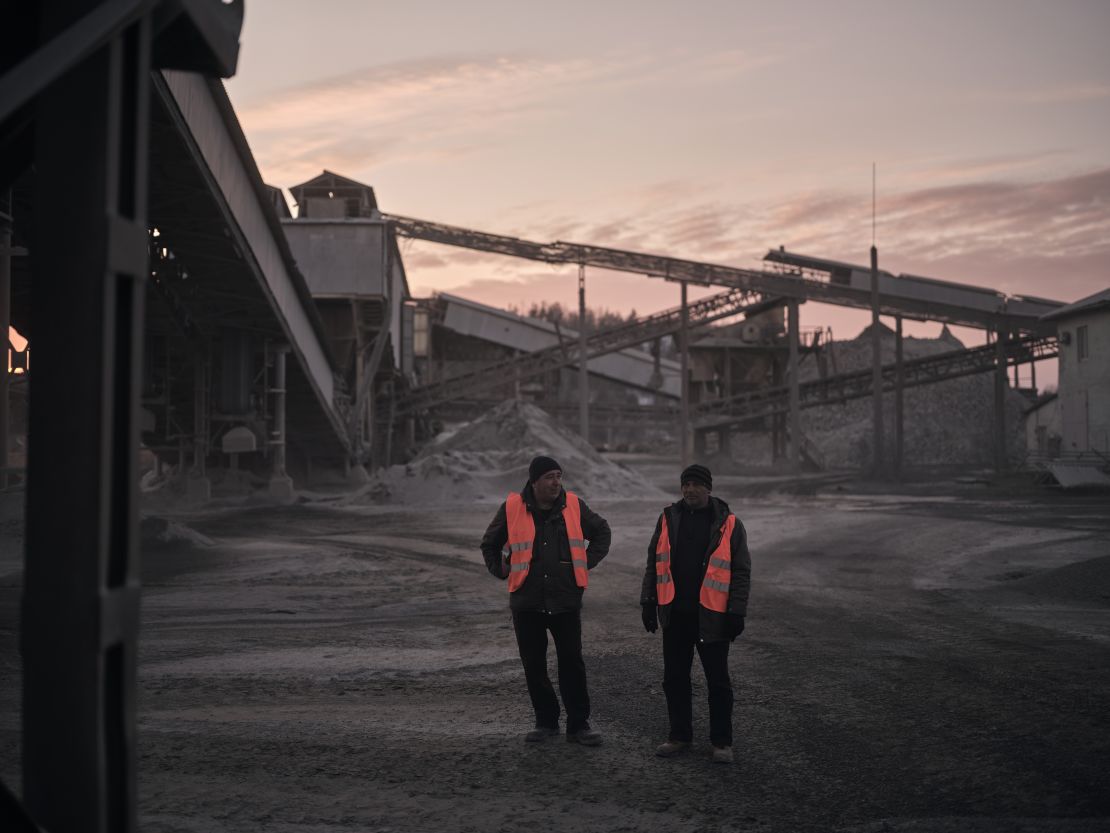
[(735, 626), (650, 615)]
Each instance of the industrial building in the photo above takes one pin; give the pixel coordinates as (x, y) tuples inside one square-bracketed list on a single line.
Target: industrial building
[(240, 343)]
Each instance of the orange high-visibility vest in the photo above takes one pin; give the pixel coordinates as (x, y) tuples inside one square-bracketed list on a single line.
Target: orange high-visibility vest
[(718, 573), (522, 532)]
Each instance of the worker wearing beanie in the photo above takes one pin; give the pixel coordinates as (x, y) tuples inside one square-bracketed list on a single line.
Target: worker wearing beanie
[(696, 585), (544, 540)]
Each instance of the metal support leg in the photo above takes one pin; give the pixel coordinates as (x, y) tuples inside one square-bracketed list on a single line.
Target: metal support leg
[(684, 348), (1001, 382), (281, 485), (583, 368), (81, 586), (198, 486), (794, 434), (899, 383)]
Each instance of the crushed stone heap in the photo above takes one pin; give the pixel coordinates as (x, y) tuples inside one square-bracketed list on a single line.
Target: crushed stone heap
[(487, 458), (945, 423)]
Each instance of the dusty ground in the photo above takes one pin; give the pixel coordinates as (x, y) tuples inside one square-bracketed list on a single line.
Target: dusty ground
[(914, 662)]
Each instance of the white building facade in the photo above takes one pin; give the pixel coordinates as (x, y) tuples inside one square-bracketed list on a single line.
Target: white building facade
[(1083, 329)]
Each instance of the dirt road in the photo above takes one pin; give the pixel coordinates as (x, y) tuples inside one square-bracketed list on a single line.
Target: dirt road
[(910, 664)]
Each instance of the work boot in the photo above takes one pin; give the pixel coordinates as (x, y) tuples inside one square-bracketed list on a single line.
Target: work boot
[(722, 754), (585, 736), (670, 748), (541, 733)]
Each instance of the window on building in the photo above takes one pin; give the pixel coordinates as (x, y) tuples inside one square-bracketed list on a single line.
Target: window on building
[(1081, 342)]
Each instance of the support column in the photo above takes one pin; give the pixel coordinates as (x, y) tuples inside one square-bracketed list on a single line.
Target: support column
[(80, 607), (877, 463), (794, 438), (899, 384), (1001, 382), (5, 323), (728, 374), (684, 408), (583, 371), (281, 485), (198, 488)]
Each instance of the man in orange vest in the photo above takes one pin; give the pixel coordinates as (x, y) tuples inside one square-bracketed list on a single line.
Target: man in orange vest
[(696, 585), (544, 540)]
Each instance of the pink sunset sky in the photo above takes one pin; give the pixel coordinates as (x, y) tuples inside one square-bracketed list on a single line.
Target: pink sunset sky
[(705, 130)]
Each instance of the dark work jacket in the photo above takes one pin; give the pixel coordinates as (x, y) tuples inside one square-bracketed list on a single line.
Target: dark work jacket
[(549, 586), (712, 626)]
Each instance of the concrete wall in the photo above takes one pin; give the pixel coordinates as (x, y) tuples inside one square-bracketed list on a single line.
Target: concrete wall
[(1085, 383)]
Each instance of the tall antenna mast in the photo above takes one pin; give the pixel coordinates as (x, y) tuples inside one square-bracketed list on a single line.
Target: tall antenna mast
[(872, 203)]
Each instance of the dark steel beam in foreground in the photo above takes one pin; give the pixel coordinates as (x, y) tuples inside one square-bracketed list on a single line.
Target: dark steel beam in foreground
[(80, 613), (81, 586)]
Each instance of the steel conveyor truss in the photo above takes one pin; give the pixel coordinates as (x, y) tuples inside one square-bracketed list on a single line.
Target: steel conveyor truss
[(774, 284), (858, 384), (611, 340)]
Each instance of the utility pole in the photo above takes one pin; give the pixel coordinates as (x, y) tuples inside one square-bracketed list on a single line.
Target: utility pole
[(684, 348), (899, 405), (876, 350), (583, 370), (877, 369), (794, 436)]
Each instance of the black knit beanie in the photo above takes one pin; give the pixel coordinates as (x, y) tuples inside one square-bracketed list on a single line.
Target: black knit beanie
[(541, 466), (699, 474)]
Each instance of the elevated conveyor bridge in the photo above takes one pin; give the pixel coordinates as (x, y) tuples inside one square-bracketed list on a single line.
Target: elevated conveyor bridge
[(907, 296)]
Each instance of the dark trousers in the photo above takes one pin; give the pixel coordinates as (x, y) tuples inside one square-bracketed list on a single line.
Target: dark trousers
[(680, 638), (531, 638)]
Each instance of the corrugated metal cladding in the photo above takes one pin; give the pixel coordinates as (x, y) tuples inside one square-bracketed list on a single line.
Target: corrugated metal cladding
[(208, 129), (631, 367), (339, 258)]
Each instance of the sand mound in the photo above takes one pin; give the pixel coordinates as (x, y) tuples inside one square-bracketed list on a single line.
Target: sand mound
[(487, 458)]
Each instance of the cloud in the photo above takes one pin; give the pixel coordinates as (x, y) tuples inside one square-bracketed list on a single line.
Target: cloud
[(730, 63), (1062, 94), (427, 110), (932, 170)]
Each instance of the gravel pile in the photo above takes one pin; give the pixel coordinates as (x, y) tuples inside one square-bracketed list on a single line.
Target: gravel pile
[(488, 457), (950, 422)]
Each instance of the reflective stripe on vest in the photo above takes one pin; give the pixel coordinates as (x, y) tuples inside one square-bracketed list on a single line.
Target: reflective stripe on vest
[(664, 587), (522, 532), (718, 573)]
